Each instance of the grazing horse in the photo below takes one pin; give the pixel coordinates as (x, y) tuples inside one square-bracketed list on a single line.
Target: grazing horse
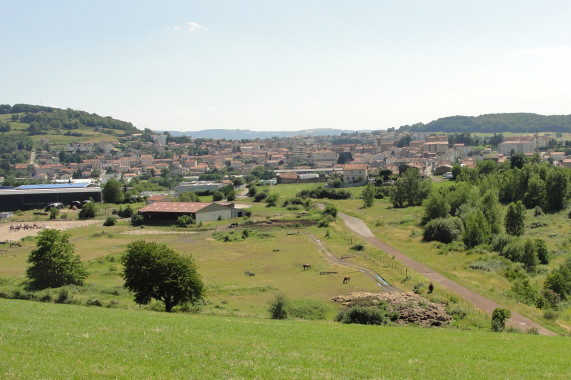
[(306, 266), (346, 279)]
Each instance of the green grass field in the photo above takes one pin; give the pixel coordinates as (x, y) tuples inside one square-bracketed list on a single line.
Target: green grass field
[(40, 340)]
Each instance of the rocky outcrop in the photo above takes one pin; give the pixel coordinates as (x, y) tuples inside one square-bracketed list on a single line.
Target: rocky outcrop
[(411, 308)]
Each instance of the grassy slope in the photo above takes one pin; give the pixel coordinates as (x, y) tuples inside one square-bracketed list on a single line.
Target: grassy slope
[(41, 340)]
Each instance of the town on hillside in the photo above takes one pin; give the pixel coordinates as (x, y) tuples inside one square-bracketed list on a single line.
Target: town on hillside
[(204, 164)]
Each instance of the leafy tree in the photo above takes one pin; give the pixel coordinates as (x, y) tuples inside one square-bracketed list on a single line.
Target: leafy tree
[(529, 255), (493, 211), (411, 189), (53, 263), (188, 196), (556, 189), (542, 251), (477, 230), (515, 219), (499, 318), (155, 271), (368, 195), (517, 160), (536, 192), (435, 206), (113, 191), (217, 196)]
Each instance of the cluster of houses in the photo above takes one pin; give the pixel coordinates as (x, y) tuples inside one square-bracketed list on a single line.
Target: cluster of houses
[(295, 160)]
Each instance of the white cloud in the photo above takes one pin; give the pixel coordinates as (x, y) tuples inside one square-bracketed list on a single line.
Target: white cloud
[(190, 26)]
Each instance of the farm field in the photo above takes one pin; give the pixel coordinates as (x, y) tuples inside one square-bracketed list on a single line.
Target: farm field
[(42, 340)]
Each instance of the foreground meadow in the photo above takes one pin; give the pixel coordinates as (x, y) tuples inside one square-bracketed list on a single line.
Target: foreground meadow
[(42, 340)]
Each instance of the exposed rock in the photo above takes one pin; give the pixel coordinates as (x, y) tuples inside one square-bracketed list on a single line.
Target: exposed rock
[(412, 308)]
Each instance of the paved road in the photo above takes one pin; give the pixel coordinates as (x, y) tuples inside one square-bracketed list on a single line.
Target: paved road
[(517, 320)]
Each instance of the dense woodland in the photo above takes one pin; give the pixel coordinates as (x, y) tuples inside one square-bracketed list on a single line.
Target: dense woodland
[(495, 123)]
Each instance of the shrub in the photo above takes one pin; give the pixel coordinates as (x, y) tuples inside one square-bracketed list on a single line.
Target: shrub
[(87, 211), (94, 302), (445, 230), (62, 296), (126, 212), (330, 209), (54, 213), (278, 308), (500, 241), (260, 196), (64, 215), (137, 220), (185, 221), (306, 309), (110, 221), (324, 222), (499, 318), (358, 247), (363, 315), (537, 211)]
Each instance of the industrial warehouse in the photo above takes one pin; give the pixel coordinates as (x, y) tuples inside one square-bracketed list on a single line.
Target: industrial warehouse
[(28, 197)]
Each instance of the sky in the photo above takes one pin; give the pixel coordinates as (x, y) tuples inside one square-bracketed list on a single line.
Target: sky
[(287, 65)]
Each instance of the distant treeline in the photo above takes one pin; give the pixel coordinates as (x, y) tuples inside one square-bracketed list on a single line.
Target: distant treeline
[(44, 119), (495, 123)]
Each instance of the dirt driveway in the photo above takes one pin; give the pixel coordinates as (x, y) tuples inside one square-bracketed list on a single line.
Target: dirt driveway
[(517, 320), (14, 235)]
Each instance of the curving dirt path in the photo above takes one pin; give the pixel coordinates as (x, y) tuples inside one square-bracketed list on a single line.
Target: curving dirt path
[(322, 248), (517, 320)]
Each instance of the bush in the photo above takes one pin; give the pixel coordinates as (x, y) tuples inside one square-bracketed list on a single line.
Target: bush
[(137, 220), (445, 230), (54, 213), (62, 296), (110, 221), (125, 213), (358, 247), (499, 242), (185, 221), (330, 209), (278, 308), (306, 309), (87, 211), (363, 315), (499, 318), (260, 196), (322, 193), (324, 222)]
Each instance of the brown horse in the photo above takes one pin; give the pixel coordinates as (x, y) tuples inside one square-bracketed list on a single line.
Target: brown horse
[(346, 279), (306, 266)]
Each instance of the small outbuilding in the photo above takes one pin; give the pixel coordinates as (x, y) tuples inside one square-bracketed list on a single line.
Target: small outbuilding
[(166, 212)]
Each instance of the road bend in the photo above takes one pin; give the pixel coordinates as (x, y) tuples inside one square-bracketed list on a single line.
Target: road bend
[(358, 227)]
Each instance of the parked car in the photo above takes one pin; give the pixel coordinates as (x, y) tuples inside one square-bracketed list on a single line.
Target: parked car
[(57, 205), (448, 175)]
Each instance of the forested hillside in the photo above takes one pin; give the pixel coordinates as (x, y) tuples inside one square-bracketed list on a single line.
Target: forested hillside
[(45, 120), (498, 123)]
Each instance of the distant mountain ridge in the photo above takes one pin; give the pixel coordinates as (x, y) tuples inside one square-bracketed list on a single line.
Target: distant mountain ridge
[(238, 134)]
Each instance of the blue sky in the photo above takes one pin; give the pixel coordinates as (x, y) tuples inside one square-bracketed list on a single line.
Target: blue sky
[(287, 65)]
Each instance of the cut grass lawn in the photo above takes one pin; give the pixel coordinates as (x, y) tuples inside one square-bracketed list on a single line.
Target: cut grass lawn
[(40, 340)]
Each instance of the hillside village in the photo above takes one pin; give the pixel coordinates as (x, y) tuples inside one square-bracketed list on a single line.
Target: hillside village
[(352, 158)]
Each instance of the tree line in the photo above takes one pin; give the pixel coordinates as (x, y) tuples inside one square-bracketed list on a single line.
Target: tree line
[(503, 122)]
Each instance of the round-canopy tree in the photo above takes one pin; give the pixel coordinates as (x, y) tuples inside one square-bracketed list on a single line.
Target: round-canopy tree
[(113, 191), (53, 263), (153, 270)]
